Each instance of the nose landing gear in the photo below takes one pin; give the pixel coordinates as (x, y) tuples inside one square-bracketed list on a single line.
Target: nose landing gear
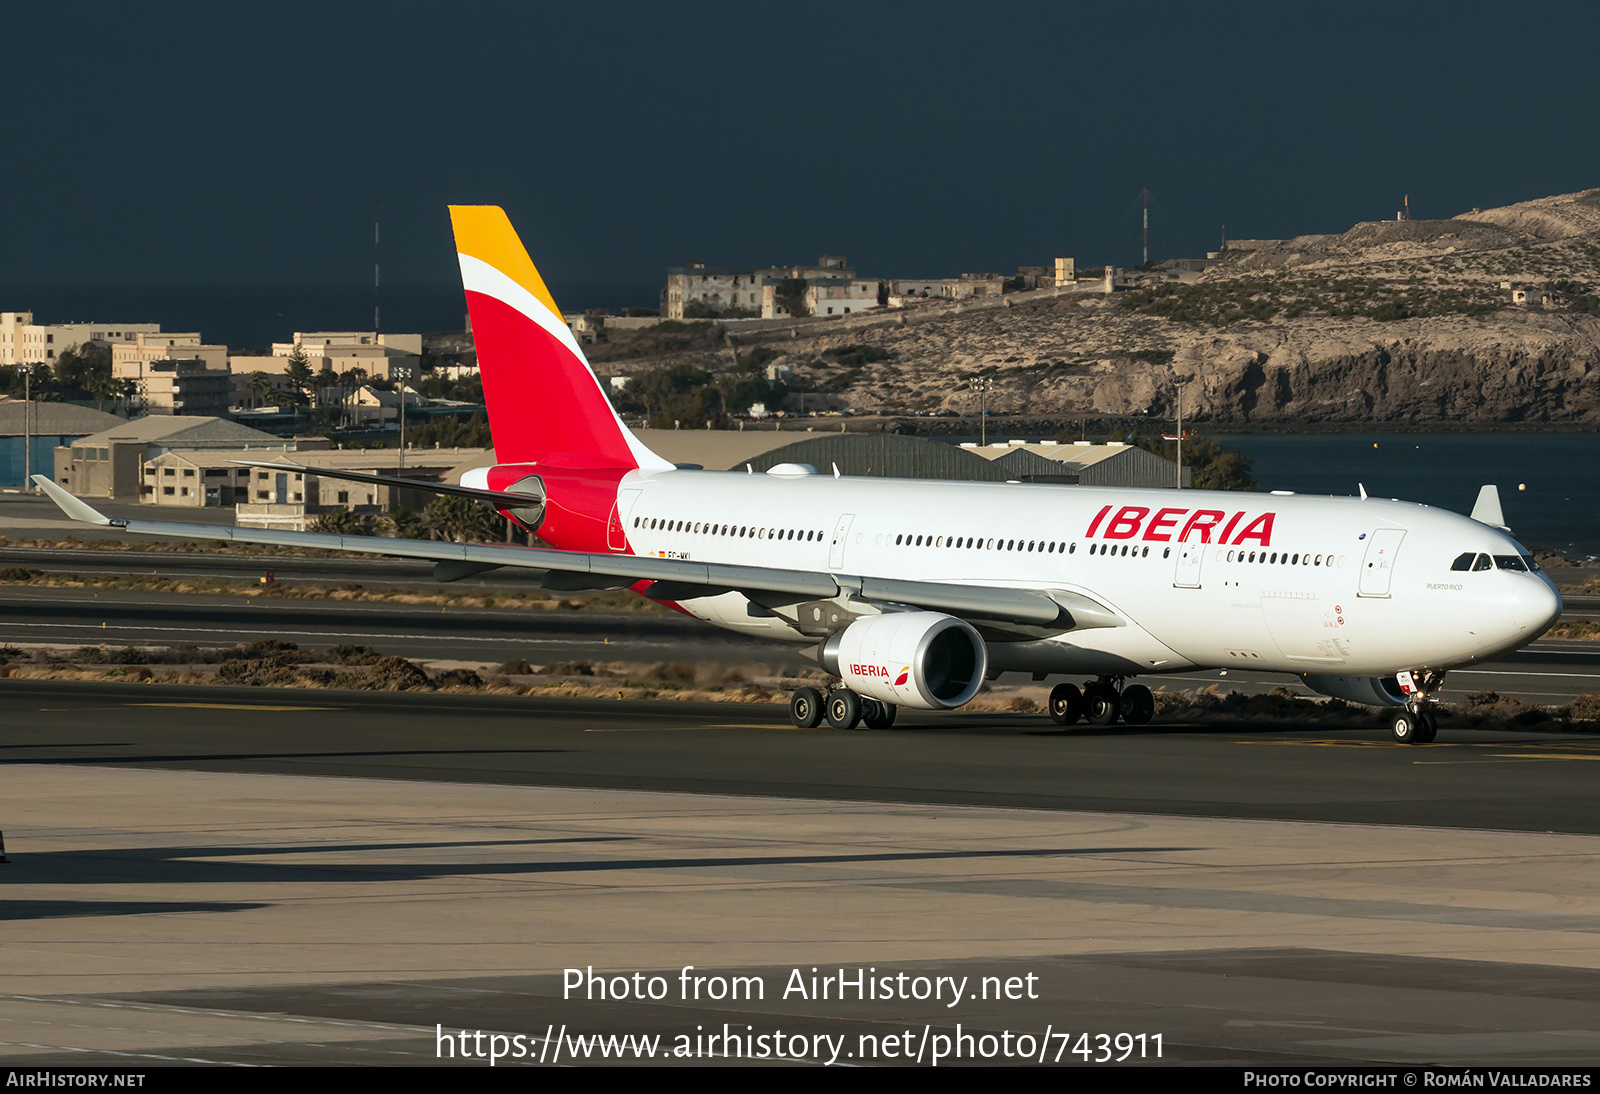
[(1418, 727), (1101, 702), (1418, 724)]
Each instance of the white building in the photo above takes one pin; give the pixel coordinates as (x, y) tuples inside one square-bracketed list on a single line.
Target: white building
[(367, 406), (699, 291), (830, 296), (173, 373), (966, 287), (321, 341), (22, 341), (202, 478), (379, 356), (131, 360)]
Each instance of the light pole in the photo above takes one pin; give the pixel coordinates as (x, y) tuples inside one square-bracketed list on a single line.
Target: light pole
[(27, 428), (1180, 437), (1177, 387), (982, 385), (402, 373)]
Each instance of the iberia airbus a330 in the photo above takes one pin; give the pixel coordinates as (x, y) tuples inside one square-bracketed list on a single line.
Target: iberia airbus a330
[(912, 592)]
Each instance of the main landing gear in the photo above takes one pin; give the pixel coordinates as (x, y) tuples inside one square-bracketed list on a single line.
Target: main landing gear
[(1418, 724), (1101, 702), (842, 708)]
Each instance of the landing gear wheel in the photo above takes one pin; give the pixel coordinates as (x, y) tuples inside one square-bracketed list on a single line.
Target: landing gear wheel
[(844, 709), (876, 714), (1100, 704), (1406, 728), (1430, 727), (805, 708), (1066, 704), (1138, 705)]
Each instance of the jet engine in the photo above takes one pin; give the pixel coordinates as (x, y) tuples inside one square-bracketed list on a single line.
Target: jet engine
[(924, 660), (1377, 691)]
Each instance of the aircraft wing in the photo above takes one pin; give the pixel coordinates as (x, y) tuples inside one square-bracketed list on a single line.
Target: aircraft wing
[(676, 579)]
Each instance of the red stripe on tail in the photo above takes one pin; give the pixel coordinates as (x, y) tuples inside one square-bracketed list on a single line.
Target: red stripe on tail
[(544, 404)]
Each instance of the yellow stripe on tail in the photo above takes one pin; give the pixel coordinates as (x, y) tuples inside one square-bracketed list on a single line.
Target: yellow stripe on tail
[(484, 232)]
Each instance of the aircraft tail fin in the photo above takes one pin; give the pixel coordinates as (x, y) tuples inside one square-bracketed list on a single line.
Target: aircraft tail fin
[(545, 404), (1487, 510)]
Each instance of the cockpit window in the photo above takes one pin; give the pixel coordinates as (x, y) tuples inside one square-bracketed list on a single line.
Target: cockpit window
[(1532, 565), (1510, 562), (1463, 562), (1483, 563)]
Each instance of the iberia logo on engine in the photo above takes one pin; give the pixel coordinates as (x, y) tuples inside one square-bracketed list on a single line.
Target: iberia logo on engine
[(882, 673)]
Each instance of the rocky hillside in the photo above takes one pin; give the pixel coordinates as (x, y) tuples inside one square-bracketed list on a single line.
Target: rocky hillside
[(1394, 323)]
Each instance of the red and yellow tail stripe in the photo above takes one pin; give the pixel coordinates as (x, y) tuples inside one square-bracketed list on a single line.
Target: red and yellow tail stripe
[(545, 404)]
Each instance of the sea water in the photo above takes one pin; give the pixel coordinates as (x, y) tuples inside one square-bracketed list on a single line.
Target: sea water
[(1549, 482)]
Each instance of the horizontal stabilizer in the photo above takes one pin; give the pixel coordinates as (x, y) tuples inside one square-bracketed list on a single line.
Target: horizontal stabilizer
[(498, 498), (1488, 510)]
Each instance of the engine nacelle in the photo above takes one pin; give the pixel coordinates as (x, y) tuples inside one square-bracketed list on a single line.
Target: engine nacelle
[(1377, 691), (924, 660)]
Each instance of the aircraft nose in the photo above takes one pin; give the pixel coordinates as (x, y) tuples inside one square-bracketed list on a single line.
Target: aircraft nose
[(1537, 606)]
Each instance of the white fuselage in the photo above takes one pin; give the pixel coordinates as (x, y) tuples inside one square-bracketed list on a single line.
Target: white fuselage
[(1285, 583)]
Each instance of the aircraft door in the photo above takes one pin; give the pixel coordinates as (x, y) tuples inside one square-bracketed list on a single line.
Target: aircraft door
[(616, 534), (841, 532), (1378, 566), (1186, 571)]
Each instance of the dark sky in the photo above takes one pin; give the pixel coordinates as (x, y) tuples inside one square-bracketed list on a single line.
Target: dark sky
[(162, 145)]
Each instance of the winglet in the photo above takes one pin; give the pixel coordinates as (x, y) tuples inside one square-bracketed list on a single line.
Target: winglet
[(1488, 510), (74, 507)]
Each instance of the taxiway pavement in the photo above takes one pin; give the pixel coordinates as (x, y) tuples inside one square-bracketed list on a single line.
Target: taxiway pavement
[(161, 917)]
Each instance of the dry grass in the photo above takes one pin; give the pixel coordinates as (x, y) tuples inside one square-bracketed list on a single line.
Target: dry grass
[(1576, 628), (533, 599), (275, 664), (176, 547)]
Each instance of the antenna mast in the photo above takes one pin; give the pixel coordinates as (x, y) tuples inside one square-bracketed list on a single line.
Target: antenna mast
[(1180, 433), (377, 217), (1146, 225)]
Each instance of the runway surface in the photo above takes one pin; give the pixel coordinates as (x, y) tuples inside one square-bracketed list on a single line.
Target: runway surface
[(218, 875), (162, 917), (1469, 779)]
